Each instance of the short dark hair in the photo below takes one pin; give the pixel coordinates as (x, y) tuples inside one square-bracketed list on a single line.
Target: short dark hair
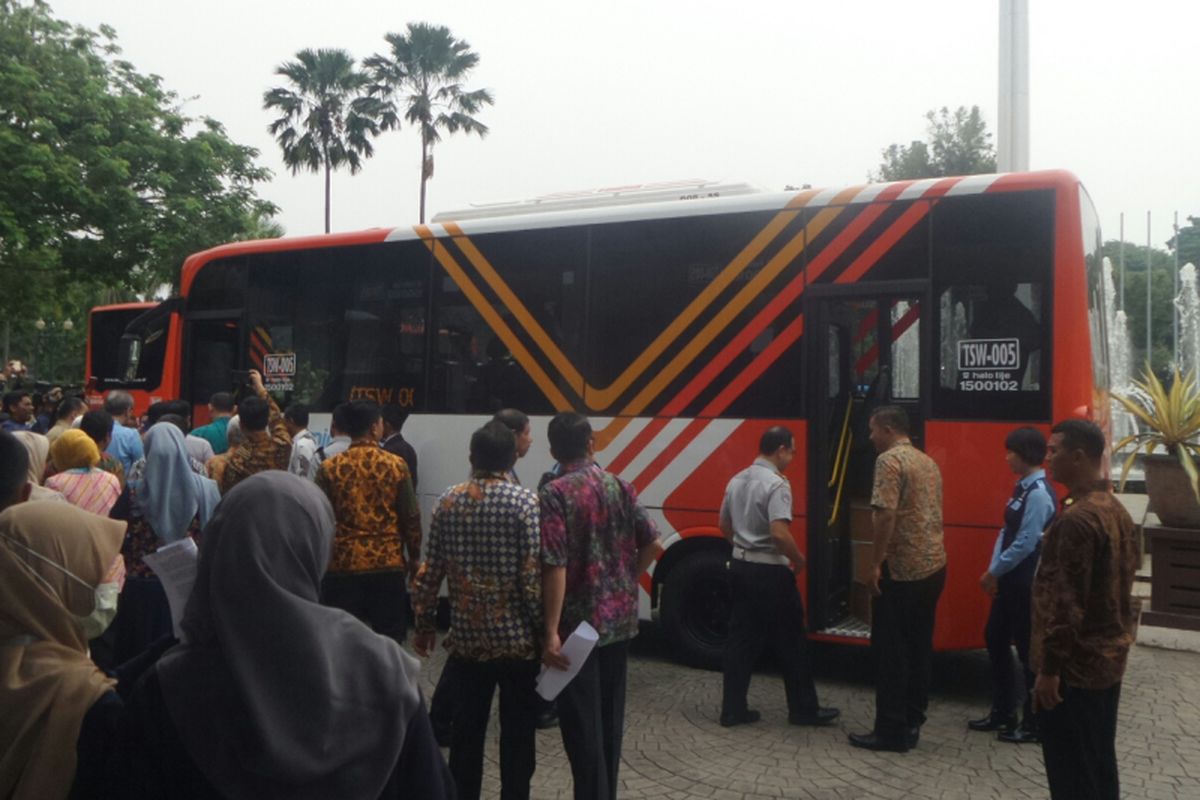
[(118, 402), (1028, 444), (221, 401), (493, 447), (14, 468), (893, 417), (1080, 434), (774, 438), (394, 416), (515, 420), (156, 411), (181, 408), (176, 420), (254, 414), (97, 424), (13, 398), (360, 416), (297, 414), (568, 434), (339, 418), (69, 406)]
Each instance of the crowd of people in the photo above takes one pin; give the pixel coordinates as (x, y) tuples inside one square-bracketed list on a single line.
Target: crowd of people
[(286, 677)]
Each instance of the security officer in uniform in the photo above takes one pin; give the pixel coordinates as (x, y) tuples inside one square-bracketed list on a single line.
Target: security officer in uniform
[(756, 517), (1009, 582)]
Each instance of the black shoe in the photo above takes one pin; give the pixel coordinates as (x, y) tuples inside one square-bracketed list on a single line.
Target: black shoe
[(1022, 735), (873, 741), (912, 736), (994, 721), (822, 716), (741, 718), (547, 718)]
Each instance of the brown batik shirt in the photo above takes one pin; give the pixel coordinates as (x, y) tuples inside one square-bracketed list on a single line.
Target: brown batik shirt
[(261, 451), (376, 509), (908, 482), (1082, 606)]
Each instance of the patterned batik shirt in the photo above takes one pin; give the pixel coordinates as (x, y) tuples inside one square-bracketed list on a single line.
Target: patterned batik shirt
[(593, 525), (375, 507), (1082, 606), (485, 541), (908, 482), (261, 451)]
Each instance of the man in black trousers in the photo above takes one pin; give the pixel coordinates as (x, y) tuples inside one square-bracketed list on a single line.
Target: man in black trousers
[(1082, 619)]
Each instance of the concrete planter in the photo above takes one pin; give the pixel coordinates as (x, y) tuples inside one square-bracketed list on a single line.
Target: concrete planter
[(1170, 491)]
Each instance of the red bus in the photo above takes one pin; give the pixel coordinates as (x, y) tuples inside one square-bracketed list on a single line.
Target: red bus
[(685, 327), (127, 348)]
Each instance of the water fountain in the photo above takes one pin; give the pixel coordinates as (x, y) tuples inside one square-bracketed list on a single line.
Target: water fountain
[(1187, 303), (1123, 423)]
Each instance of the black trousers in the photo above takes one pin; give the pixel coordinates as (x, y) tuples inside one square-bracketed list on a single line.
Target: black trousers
[(591, 716), (1008, 624), (766, 609), (445, 697), (518, 725), (1079, 744), (380, 599), (902, 620)]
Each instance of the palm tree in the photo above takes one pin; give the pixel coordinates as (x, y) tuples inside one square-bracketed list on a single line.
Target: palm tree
[(327, 116), (424, 71)]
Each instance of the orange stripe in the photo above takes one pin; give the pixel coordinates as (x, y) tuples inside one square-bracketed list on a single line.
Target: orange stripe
[(518, 350), (597, 398)]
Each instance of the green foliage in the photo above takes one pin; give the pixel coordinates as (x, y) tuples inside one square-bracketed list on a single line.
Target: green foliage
[(327, 119), (1172, 420), (108, 185), (1188, 241), (423, 72), (1162, 295), (958, 143)]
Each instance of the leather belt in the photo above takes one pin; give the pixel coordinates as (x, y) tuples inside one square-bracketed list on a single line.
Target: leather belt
[(760, 557)]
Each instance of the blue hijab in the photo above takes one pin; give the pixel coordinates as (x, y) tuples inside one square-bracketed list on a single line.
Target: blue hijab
[(170, 494)]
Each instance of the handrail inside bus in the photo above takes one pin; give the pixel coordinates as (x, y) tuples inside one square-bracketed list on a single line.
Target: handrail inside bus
[(837, 459), (841, 462)]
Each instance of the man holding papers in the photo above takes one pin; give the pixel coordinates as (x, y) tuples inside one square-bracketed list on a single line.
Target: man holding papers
[(597, 540)]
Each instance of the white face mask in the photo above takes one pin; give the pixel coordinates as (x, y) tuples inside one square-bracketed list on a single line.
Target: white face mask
[(104, 596)]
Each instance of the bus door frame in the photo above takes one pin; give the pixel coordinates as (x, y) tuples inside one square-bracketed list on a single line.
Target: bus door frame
[(190, 319), (821, 446)]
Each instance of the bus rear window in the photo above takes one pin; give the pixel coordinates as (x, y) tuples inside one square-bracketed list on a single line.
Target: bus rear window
[(993, 258)]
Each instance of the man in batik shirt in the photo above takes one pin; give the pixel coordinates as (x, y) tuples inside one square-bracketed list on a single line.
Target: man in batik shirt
[(597, 540), (267, 444), (378, 539), (485, 541)]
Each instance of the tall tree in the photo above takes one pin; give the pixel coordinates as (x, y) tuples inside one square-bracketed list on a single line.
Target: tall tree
[(424, 72), (327, 119), (1188, 242), (106, 182), (958, 143)]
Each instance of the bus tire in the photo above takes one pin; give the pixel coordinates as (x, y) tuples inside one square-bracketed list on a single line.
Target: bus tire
[(694, 608)]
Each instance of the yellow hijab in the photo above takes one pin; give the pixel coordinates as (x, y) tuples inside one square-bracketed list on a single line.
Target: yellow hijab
[(47, 681), (74, 449)]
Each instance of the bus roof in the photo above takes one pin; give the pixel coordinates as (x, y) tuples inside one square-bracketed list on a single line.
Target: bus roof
[(122, 307), (598, 213)]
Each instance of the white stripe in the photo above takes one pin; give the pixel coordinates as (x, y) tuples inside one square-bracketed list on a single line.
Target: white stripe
[(716, 433), (973, 185), (401, 235), (918, 188), (656, 446), (870, 192), (622, 440), (823, 198)]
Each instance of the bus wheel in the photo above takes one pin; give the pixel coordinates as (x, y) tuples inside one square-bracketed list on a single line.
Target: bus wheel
[(694, 608)]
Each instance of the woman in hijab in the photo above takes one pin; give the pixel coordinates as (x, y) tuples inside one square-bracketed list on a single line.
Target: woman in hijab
[(84, 484), (273, 695), (38, 447), (168, 502), (60, 568)]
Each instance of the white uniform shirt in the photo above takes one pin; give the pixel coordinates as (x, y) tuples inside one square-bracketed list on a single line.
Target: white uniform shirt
[(754, 498)]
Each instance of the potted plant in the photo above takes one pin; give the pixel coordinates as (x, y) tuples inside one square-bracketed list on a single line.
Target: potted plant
[(1172, 421)]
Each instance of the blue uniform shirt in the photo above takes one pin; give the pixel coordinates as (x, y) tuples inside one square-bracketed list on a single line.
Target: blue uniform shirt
[(1039, 508)]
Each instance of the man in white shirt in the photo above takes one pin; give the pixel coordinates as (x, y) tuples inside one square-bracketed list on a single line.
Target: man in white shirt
[(340, 442), (304, 461)]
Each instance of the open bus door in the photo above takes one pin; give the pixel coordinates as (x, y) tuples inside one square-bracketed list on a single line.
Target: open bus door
[(864, 349)]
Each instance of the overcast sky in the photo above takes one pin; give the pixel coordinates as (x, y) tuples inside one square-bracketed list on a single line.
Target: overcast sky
[(594, 94)]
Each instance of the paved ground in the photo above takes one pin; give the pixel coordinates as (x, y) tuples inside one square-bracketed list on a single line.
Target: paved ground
[(674, 747)]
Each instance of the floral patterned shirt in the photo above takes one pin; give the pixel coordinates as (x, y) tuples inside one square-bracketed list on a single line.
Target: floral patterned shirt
[(593, 525), (375, 507), (1082, 606), (261, 451), (485, 540), (908, 482)]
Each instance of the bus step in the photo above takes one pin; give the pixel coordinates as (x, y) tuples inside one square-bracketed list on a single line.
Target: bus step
[(851, 627)]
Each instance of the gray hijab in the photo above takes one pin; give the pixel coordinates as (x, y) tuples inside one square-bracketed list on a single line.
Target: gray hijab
[(170, 495), (275, 695)]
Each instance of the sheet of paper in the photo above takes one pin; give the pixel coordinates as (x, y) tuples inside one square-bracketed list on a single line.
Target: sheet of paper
[(175, 566), (576, 648)]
